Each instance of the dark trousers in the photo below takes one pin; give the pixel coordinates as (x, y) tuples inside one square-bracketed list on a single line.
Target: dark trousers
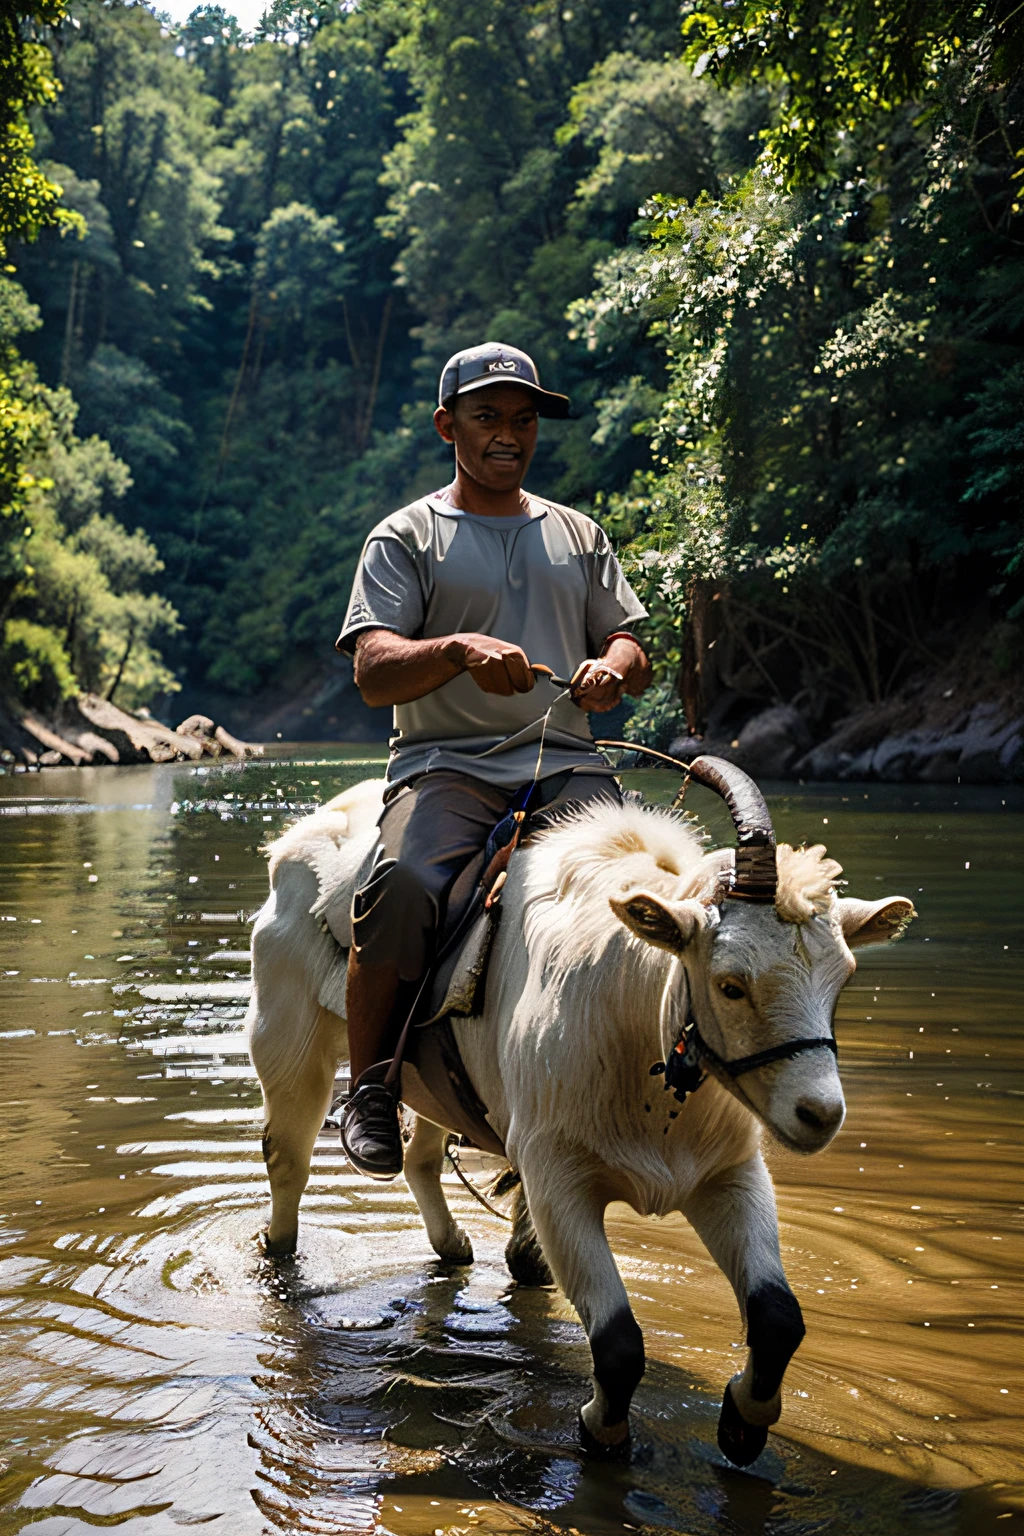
[(430, 832)]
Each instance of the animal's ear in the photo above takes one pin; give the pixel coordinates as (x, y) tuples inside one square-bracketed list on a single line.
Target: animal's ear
[(665, 924), (872, 922)]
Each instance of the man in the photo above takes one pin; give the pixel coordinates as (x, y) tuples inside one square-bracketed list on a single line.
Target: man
[(453, 599)]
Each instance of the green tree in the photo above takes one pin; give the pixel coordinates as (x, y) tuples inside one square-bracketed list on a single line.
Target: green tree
[(29, 202), (134, 125), (74, 608), (488, 207), (648, 121), (836, 445), (839, 68), (71, 577)]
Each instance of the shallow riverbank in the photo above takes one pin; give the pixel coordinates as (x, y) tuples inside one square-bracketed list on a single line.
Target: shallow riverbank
[(89, 730), (938, 737)]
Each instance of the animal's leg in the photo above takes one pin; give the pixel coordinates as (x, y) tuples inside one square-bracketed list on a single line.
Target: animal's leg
[(294, 1043), (734, 1215), (568, 1213), (293, 1114), (424, 1159), (523, 1253)]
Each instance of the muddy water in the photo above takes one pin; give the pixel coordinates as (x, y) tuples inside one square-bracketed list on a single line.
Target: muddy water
[(156, 1374)]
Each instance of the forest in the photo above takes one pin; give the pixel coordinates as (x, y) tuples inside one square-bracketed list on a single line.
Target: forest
[(774, 253)]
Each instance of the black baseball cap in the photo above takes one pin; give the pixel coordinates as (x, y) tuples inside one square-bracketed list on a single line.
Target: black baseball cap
[(496, 363)]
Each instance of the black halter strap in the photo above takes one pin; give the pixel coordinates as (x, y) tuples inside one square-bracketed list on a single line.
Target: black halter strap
[(743, 1064), (683, 1072)]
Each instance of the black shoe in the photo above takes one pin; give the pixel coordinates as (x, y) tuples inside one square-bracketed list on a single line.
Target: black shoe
[(370, 1132)]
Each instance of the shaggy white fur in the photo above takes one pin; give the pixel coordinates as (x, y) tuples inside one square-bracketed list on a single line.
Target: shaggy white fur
[(313, 839), (606, 851), (807, 882)]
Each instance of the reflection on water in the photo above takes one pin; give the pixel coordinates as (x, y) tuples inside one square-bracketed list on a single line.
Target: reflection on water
[(156, 1373)]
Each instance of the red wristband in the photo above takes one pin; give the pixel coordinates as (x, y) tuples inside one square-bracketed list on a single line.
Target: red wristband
[(621, 634)]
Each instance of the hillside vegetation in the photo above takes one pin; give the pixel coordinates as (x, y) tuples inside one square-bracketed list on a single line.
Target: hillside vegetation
[(774, 255)]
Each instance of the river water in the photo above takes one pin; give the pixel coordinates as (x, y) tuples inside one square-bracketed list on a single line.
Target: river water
[(156, 1373)]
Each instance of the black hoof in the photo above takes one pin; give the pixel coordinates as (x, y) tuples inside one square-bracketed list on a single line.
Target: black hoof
[(527, 1264), (740, 1441), (600, 1452), (282, 1250)]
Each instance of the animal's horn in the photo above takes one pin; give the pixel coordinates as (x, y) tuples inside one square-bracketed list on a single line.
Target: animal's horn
[(756, 874)]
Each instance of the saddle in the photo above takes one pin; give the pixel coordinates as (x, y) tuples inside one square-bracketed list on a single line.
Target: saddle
[(433, 1080)]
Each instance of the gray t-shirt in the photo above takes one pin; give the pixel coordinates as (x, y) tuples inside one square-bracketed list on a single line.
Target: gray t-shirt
[(547, 581)]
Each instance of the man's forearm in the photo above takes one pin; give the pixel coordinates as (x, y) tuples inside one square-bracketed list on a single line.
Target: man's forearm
[(390, 669)]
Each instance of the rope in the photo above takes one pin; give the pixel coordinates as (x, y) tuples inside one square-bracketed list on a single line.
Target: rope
[(633, 746), (566, 693), (449, 1147)]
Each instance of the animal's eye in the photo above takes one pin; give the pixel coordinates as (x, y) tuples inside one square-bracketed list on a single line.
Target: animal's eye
[(730, 990)]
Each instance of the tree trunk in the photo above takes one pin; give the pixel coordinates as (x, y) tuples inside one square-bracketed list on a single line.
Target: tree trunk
[(124, 662), (871, 643), (69, 326), (697, 670), (366, 418)]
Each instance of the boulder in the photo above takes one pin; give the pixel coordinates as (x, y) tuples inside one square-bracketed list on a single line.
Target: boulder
[(896, 758), (1011, 756), (686, 748), (767, 746), (770, 743), (826, 761), (858, 766), (985, 740)]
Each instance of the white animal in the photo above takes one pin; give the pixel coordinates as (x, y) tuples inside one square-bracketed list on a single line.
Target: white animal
[(618, 928)]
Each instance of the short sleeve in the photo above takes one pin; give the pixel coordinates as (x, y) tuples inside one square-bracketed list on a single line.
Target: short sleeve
[(611, 602), (386, 592)]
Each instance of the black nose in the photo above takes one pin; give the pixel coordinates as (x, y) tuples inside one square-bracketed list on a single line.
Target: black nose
[(818, 1114)]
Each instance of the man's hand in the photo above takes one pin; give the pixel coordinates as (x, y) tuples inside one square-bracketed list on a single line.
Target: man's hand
[(391, 669), (494, 665), (624, 668), (596, 687)]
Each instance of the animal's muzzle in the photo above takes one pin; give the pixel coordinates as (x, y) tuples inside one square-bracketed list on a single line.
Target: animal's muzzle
[(823, 1116)]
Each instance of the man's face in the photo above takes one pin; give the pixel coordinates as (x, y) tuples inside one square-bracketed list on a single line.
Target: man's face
[(495, 433)]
